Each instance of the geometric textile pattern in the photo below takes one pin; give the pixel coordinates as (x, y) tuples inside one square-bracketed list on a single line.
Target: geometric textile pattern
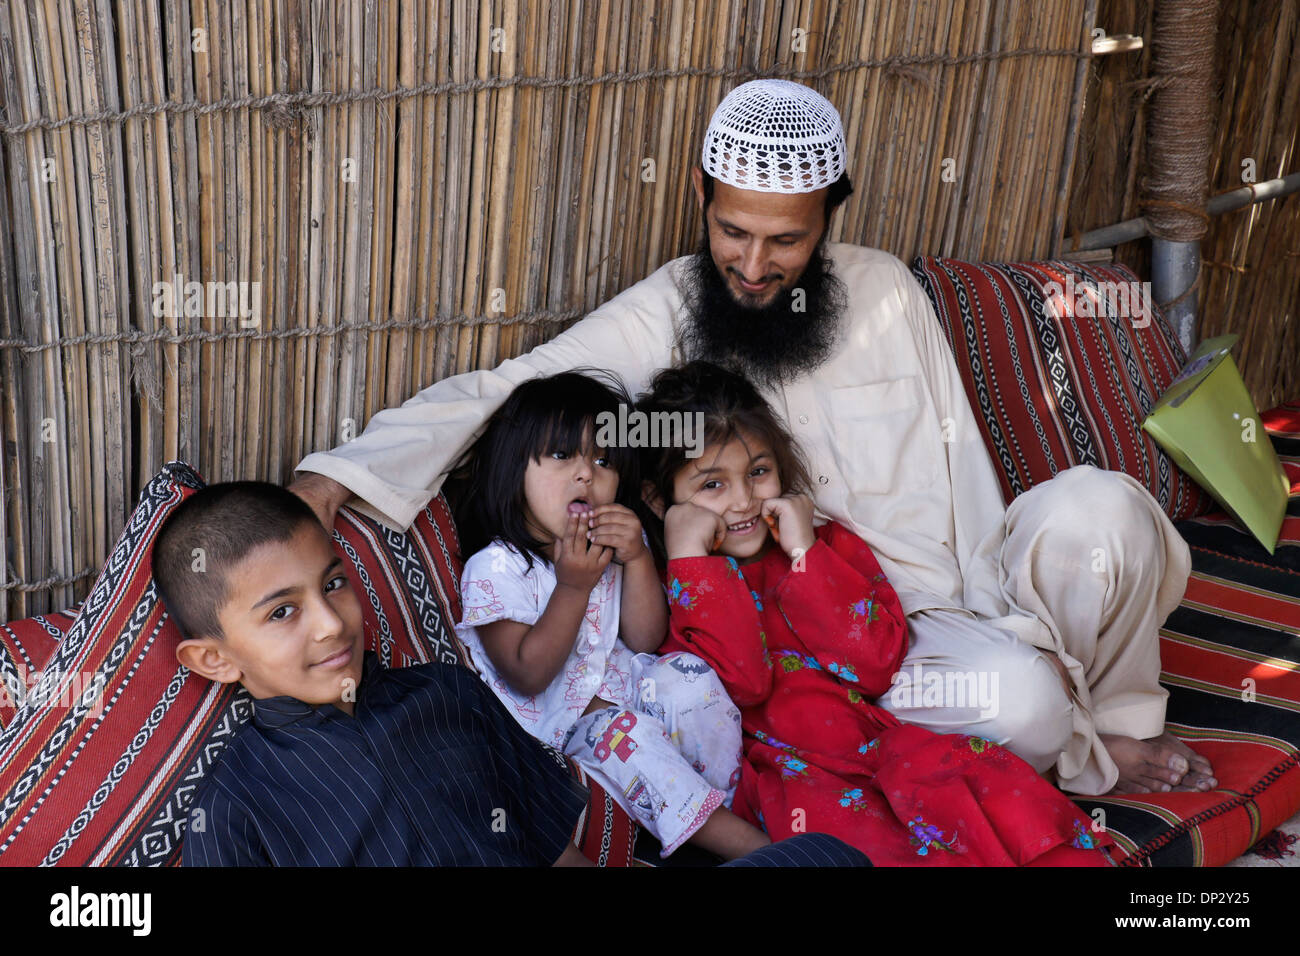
[(1061, 362)]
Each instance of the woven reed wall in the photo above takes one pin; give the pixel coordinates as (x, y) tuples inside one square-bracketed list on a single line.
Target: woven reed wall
[(1250, 275), (446, 184)]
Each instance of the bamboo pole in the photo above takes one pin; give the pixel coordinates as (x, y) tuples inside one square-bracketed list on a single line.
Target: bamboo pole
[(324, 175), (12, 451), (409, 28), (93, 368), (454, 189), (246, 23), (435, 63), (351, 301), (381, 71), (44, 223), (16, 452), (497, 156), (266, 259), (184, 164), (208, 134), (298, 193), (159, 207), (235, 385)]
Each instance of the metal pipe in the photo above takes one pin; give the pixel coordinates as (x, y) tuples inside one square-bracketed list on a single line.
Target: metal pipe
[(1071, 136), (1255, 192), (1174, 267), (1130, 229)]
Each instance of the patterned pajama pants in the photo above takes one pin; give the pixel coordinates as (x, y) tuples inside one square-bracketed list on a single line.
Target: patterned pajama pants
[(669, 755)]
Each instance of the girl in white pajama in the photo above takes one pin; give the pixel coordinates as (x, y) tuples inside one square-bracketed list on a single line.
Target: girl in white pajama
[(562, 633), (668, 751)]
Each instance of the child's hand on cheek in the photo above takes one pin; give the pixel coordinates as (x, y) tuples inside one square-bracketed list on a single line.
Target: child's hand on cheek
[(617, 527), (692, 532), (578, 563), (793, 515)]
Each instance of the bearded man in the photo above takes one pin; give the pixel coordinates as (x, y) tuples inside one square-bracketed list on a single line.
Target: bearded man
[(1054, 601)]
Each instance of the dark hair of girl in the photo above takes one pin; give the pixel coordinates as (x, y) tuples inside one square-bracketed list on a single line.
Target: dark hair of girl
[(731, 405), (542, 416)]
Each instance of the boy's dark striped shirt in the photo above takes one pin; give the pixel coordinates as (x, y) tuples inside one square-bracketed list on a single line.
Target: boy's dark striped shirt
[(431, 771)]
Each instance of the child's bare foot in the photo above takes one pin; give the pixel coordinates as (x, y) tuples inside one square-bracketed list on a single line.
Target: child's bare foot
[(1158, 765)]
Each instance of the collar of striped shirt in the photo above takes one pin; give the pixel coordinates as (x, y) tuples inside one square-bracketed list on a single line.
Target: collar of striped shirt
[(275, 712)]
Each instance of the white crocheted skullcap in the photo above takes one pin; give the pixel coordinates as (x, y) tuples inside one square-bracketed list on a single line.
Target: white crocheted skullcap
[(775, 136)]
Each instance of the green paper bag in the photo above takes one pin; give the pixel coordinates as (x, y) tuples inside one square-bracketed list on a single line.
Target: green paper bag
[(1208, 425)]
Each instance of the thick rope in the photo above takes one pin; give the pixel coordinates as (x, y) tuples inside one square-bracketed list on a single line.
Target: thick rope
[(48, 583), (167, 337), (283, 106), (1176, 183)]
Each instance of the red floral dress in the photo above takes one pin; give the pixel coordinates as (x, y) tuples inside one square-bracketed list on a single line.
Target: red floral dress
[(804, 653)]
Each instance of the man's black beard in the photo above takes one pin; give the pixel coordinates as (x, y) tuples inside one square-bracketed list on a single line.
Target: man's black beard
[(773, 344)]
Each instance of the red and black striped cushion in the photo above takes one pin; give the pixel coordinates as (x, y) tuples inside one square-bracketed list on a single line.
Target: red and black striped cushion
[(1052, 386), (107, 779), (1230, 657), (406, 583)]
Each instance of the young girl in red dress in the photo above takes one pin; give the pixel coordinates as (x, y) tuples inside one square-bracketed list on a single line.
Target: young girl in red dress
[(805, 633)]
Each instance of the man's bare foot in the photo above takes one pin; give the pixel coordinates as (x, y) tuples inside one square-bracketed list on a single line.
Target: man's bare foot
[(1158, 765)]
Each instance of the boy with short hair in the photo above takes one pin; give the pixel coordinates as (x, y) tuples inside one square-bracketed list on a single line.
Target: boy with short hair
[(344, 762)]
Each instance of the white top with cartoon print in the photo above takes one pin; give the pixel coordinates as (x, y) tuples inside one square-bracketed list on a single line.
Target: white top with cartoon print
[(497, 585)]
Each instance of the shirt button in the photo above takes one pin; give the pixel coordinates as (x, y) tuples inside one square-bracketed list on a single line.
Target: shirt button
[(803, 419), (823, 479), (594, 639)]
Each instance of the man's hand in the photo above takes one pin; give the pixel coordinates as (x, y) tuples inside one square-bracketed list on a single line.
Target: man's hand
[(794, 527), (323, 495), (617, 527), (691, 531)]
